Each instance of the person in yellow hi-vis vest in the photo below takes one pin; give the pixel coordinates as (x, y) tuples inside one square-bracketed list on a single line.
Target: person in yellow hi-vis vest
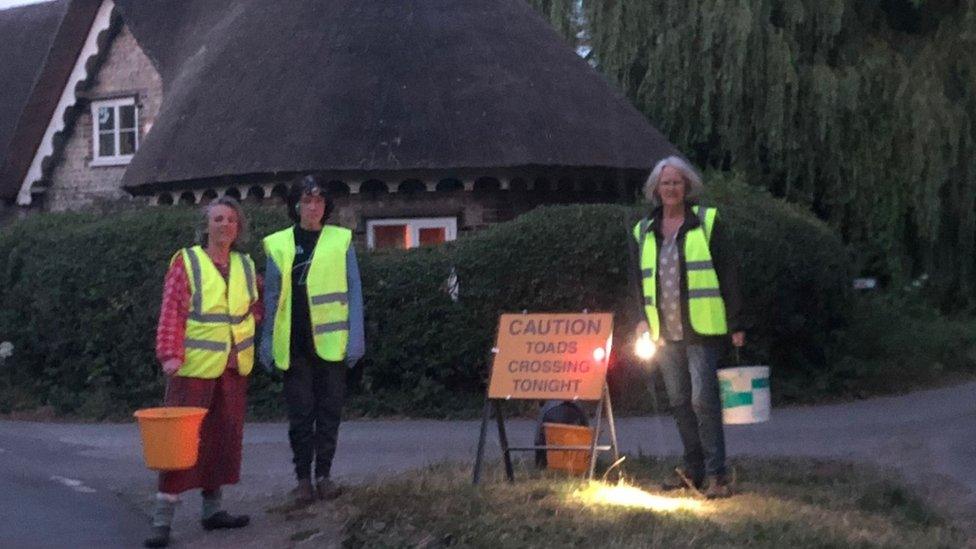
[(314, 330), (691, 309), (205, 343)]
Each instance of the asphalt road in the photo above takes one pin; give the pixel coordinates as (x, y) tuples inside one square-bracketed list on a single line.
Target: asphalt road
[(84, 485), (43, 503)]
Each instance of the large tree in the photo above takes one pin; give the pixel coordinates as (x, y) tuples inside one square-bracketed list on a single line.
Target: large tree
[(865, 110)]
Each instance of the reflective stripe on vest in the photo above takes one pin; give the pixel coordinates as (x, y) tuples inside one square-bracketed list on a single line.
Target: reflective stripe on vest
[(328, 296), (220, 314), (706, 307)]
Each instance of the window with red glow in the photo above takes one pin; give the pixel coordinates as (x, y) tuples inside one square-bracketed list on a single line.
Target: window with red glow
[(410, 233), (390, 236), (435, 235)]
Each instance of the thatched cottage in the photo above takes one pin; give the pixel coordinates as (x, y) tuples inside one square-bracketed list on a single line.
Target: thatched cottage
[(428, 117)]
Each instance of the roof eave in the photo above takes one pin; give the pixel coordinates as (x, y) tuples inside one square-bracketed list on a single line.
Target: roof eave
[(43, 100)]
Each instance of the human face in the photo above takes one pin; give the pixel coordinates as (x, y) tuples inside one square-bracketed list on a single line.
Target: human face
[(672, 187), (222, 226), (311, 208)]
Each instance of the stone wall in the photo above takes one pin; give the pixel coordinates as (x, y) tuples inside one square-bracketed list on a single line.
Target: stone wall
[(125, 72)]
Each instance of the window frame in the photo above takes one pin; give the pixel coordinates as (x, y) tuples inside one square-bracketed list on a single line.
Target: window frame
[(115, 104), (414, 224)]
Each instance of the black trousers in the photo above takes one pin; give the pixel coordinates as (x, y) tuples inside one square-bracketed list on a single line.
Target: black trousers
[(314, 390)]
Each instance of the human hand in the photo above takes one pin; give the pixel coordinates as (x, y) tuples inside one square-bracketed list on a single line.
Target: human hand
[(739, 339), (171, 366), (641, 329)]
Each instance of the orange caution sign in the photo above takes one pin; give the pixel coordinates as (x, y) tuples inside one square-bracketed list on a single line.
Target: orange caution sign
[(551, 356)]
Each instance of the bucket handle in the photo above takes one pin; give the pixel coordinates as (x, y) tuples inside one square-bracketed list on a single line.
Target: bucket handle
[(169, 379)]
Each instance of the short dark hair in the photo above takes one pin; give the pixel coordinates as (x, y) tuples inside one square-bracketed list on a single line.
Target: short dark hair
[(307, 184)]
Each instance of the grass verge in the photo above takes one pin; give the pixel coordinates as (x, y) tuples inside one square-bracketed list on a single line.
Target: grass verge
[(791, 503)]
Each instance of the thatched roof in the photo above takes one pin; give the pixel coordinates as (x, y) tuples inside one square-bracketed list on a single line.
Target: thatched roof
[(252, 86), (28, 35)]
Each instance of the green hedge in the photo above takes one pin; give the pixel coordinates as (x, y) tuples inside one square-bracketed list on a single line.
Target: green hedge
[(428, 355), (79, 298)]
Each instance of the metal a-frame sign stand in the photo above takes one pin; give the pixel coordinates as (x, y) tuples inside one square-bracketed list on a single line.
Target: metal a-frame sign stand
[(604, 406), (507, 450)]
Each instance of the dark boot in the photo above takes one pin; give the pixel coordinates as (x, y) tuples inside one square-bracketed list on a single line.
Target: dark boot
[(304, 493), (222, 519), (158, 538), (682, 480), (327, 489), (717, 487)]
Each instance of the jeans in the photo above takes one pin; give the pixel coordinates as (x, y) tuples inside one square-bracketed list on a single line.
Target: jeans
[(693, 394), (314, 393)]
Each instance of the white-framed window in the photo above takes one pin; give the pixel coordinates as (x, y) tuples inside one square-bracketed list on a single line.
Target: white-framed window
[(409, 232), (115, 131)]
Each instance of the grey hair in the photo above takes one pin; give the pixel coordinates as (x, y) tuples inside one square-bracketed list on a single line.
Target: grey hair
[(243, 234), (693, 181)]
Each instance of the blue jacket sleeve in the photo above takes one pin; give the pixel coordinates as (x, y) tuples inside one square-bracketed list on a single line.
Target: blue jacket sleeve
[(272, 289), (357, 339)]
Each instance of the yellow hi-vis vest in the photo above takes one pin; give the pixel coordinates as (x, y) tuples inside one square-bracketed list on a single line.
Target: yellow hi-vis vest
[(328, 295), (705, 304), (220, 314)]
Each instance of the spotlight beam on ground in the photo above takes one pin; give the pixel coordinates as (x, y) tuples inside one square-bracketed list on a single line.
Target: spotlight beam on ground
[(622, 495)]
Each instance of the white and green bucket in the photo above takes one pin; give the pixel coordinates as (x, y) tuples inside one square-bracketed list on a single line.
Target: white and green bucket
[(745, 394)]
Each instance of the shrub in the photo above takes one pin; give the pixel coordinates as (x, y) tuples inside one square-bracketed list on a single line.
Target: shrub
[(79, 298), (795, 274), (891, 346), (424, 350)]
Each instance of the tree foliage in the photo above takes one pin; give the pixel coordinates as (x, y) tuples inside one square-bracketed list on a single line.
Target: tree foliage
[(863, 111)]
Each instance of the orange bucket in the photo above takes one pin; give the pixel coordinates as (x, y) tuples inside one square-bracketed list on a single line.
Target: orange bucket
[(575, 462), (170, 436)]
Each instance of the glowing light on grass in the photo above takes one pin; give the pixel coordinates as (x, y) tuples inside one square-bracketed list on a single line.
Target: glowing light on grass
[(622, 495)]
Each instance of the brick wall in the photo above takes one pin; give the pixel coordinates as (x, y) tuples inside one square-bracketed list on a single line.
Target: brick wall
[(471, 211), (125, 71), (355, 210), (506, 193)]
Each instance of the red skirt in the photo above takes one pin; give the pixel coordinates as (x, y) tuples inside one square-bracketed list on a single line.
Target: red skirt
[(221, 434)]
